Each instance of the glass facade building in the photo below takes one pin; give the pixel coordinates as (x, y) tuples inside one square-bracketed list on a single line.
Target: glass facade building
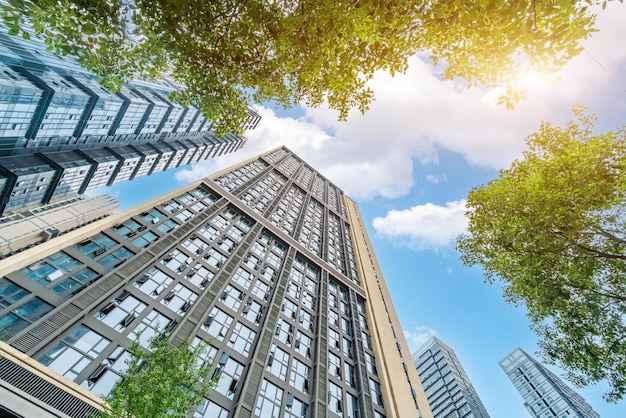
[(545, 395), (57, 124), (268, 262), (449, 391)]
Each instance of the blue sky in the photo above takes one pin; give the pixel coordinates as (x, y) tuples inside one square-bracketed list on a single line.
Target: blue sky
[(410, 162)]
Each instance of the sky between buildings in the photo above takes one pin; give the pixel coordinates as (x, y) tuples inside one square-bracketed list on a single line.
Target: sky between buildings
[(410, 162)]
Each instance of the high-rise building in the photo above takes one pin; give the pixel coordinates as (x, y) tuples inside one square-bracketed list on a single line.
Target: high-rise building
[(268, 261), (449, 391), (62, 133), (545, 395)]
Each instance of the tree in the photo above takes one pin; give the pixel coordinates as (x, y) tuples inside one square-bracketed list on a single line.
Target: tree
[(552, 228), (228, 53), (165, 381)]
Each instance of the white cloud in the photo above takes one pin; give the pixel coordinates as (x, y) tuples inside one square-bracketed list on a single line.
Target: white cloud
[(416, 114), (418, 336), (436, 178), (423, 226)]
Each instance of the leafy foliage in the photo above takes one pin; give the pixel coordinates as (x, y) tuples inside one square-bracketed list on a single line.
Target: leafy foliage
[(553, 229), (163, 382), (229, 53)]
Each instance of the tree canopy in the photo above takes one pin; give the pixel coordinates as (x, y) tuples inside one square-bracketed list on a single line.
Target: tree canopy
[(165, 381), (553, 229), (230, 53)]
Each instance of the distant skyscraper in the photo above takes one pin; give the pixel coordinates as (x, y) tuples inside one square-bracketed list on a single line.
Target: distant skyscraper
[(448, 389), (268, 262), (61, 133), (545, 395)]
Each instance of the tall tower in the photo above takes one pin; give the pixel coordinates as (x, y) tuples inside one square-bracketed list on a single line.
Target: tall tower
[(267, 261), (545, 395), (61, 133), (448, 389)]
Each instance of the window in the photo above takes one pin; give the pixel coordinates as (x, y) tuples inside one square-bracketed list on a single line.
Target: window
[(50, 268), (145, 240), (242, 339), (299, 376), (116, 258), (231, 298), (217, 323), (71, 355), (167, 226), (335, 399), (334, 365), (269, 400), (348, 374), (120, 312), (283, 332), (376, 393), (199, 276), (179, 299), (10, 293), (208, 409), (295, 408), (278, 362), (127, 229), (371, 364), (215, 259), (229, 371), (303, 344), (21, 317), (152, 216), (75, 283), (243, 278), (152, 324)]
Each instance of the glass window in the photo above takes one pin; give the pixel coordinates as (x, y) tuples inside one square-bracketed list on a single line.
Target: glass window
[(208, 409), (116, 258), (152, 216), (299, 376), (295, 408), (145, 240), (377, 395), (121, 311), (278, 362), (50, 268), (75, 283), (21, 317), (335, 399), (167, 226), (217, 323), (269, 400), (242, 339), (229, 372), (96, 245), (10, 293), (127, 229), (70, 356)]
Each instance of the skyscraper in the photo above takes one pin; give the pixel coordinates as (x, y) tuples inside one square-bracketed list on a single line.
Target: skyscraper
[(268, 261), (449, 391), (61, 133), (545, 395)]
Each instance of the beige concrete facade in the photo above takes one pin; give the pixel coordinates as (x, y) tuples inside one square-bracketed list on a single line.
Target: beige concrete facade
[(398, 375), (39, 224)]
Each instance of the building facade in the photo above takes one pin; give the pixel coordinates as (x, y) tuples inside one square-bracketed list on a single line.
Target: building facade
[(30, 227), (62, 133), (545, 395), (268, 262), (449, 391)]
